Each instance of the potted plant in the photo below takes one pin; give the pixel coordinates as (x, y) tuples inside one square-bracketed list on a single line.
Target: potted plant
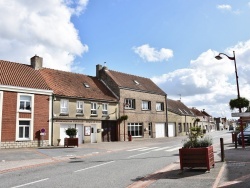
[(72, 140), (197, 151), (240, 102), (123, 118)]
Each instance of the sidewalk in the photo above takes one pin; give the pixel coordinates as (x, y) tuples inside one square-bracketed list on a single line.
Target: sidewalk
[(234, 172)]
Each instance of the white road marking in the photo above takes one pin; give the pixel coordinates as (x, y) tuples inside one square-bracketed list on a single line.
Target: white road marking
[(148, 149), (173, 149), (94, 166), (31, 183), (161, 148), (136, 149), (138, 154)]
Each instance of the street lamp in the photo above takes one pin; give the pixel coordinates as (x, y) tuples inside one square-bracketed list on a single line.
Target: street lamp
[(218, 57)]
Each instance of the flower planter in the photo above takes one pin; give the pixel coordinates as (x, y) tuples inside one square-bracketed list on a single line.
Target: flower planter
[(70, 142), (196, 157)]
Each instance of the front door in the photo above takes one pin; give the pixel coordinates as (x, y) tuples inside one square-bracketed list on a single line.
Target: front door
[(93, 134), (109, 131)]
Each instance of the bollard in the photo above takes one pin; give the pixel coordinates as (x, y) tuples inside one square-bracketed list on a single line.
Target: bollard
[(222, 150), (235, 138)]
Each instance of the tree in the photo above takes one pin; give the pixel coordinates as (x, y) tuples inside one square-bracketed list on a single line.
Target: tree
[(239, 103)]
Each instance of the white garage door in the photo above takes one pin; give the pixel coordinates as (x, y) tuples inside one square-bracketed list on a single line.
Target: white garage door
[(159, 130), (171, 130)]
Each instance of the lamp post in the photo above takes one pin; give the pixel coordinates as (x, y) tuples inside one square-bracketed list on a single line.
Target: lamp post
[(218, 57)]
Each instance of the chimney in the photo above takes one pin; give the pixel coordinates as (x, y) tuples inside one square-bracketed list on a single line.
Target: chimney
[(98, 68), (36, 62)]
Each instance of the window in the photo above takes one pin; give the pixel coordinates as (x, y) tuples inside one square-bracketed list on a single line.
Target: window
[(79, 107), (64, 106), (25, 102), (129, 104), (24, 130), (146, 105), (159, 106), (93, 108), (104, 109), (135, 129), (180, 127), (150, 129)]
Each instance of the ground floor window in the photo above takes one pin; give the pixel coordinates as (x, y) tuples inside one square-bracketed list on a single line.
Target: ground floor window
[(24, 130), (135, 129)]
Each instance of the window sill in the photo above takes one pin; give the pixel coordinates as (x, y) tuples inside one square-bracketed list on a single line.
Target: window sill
[(23, 140), (93, 115), (25, 111), (64, 114)]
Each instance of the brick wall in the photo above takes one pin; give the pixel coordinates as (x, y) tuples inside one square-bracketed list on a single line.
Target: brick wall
[(9, 116)]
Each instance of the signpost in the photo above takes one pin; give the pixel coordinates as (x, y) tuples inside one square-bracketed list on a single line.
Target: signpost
[(42, 133), (242, 114)]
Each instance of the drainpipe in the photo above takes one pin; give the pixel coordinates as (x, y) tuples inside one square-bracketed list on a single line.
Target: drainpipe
[(52, 120), (166, 115)]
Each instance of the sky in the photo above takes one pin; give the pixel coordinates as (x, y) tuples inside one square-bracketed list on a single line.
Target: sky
[(172, 42)]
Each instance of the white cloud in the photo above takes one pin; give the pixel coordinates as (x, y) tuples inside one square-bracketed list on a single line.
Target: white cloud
[(150, 54), (224, 7), (41, 27), (208, 83)]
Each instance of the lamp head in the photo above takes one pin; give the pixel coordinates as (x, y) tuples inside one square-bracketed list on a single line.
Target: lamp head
[(218, 57)]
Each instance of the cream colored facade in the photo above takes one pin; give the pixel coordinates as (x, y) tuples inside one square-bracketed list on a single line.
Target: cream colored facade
[(89, 126), (182, 123)]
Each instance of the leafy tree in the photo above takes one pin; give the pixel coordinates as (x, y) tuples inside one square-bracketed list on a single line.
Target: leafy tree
[(238, 103)]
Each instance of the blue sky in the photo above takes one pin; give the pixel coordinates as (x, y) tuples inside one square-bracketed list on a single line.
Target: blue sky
[(173, 42)]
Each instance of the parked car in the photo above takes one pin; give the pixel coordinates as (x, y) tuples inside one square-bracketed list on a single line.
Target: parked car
[(246, 133)]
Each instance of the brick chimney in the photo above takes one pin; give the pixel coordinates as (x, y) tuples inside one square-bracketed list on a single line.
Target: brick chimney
[(98, 68), (36, 62)]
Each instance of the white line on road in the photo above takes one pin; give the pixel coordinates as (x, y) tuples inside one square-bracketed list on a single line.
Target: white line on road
[(136, 149), (31, 183), (173, 149), (161, 148), (139, 154), (94, 166), (148, 149)]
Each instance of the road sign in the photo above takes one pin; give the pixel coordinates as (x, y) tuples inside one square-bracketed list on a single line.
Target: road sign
[(243, 114), (43, 130)]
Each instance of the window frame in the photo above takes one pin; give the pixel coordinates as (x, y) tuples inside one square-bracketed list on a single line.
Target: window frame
[(24, 130), (79, 107), (105, 109), (64, 104), (129, 103), (137, 128), (25, 108), (146, 105), (159, 106), (93, 109)]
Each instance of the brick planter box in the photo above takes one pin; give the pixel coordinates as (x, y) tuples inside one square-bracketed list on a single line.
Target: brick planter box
[(70, 142), (196, 157)]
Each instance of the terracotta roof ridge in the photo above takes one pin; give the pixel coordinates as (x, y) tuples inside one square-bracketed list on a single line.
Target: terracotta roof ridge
[(129, 74), (63, 71)]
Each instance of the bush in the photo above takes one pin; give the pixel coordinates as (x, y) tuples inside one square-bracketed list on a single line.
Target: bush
[(196, 139), (71, 132)]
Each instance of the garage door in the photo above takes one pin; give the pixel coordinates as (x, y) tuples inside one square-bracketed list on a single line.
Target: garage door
[(159, 130), (171, 129)]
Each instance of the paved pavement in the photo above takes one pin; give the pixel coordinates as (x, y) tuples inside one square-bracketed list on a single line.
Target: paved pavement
[(233, 172)]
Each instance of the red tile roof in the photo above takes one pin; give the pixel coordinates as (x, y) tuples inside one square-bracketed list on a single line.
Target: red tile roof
[(20, 75), (134, 82), (72, 85), (197, 112), (177, 107)]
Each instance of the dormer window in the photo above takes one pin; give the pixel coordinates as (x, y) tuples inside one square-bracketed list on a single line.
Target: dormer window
[(136, 82), (86, 85)]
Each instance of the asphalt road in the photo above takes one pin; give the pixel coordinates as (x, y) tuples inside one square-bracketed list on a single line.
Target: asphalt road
[(118, 167)]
